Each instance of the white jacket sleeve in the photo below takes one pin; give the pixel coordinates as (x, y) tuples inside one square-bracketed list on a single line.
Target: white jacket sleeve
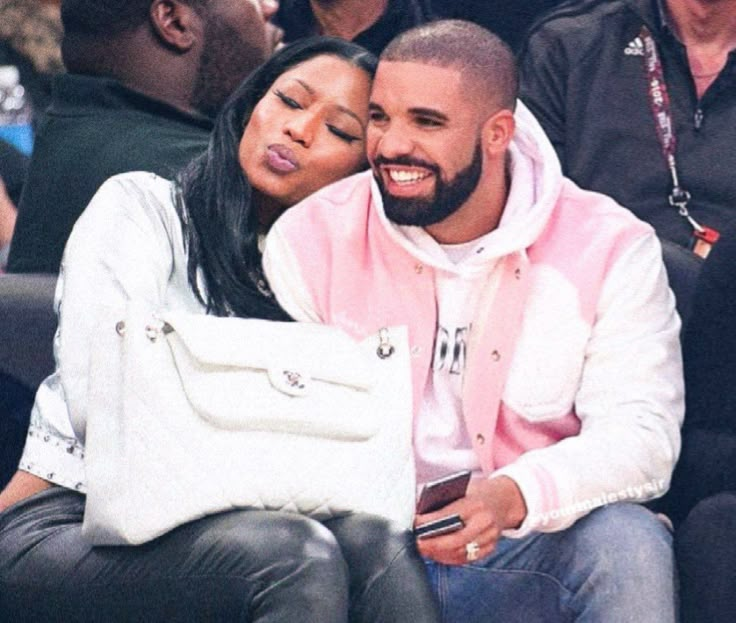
[(630, 404), (120, 249)]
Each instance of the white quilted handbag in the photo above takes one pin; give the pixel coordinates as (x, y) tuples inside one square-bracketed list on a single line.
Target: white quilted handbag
[(190, 415)]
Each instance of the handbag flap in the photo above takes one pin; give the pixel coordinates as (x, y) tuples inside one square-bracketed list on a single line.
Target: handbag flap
[(313, 351)]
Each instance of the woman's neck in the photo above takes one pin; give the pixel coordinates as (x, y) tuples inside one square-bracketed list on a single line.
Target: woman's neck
[(707, 28), (346, 18), (267, 209)]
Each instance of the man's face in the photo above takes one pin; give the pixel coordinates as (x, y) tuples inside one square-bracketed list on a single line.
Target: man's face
[(237, 39), (423, 142)]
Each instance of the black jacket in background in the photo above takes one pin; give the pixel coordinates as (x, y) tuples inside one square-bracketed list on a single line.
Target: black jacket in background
[(707, 462), (509, 19), (583, 76), (297, 20), (95, 128)]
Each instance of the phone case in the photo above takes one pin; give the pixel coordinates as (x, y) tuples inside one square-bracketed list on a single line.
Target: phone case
[(440, 493), (444, 525)]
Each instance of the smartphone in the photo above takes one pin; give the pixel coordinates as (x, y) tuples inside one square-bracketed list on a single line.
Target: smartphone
[(444, 525), (441, 492)]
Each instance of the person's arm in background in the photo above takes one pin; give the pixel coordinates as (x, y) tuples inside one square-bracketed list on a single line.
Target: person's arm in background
[(8, 215)]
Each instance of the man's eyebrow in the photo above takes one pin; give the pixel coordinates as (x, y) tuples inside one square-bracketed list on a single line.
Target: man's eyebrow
[(429, 112)]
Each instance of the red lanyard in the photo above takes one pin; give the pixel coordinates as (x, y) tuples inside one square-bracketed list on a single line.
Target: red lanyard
[(660, 102)]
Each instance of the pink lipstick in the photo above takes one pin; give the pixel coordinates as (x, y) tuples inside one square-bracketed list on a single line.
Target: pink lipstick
[(281, 159)]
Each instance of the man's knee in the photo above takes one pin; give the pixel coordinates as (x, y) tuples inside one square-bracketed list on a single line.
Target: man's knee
[(626, 539)]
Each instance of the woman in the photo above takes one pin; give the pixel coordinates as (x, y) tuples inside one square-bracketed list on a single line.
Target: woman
[(193, 246)]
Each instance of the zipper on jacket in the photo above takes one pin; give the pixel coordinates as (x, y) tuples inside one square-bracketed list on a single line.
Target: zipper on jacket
[(698, 118)]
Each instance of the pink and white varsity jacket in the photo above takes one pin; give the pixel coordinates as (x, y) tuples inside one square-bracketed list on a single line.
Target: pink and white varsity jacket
[(573, 384)]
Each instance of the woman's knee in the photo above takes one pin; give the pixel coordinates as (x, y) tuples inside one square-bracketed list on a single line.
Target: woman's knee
[(360, 535), (272, 536)]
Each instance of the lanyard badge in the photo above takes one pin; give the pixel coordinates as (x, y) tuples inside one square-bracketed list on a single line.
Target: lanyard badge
[(703, 238)]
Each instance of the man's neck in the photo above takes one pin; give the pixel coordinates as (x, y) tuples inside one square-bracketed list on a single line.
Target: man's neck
[(704, 22), (346, 18), (707, 29)]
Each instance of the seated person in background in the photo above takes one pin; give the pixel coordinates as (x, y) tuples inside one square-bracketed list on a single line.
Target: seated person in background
[(370, 23), (703, 490), (13, 166), (595, 73), (294, 125), (144, 78), (544, 336)]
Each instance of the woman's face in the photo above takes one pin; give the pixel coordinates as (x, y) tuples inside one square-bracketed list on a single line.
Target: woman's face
[(308, 130)]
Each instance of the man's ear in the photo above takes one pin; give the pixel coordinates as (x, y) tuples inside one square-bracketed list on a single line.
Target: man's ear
[(176, 24), (498, 130)]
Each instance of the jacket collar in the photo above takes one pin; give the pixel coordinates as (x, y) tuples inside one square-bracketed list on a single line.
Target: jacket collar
[(652, 12), (77, 94)]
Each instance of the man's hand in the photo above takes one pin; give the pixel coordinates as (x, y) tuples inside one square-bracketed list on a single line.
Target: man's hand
[(489, 506), (21, 486)]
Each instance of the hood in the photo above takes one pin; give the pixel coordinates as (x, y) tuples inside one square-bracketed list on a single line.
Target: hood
[(536, 180)]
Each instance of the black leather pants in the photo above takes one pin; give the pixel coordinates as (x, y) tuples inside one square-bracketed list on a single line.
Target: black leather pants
[(256, 566)]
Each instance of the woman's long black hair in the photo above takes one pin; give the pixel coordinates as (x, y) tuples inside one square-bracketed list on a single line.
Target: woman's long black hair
[(214, 198)]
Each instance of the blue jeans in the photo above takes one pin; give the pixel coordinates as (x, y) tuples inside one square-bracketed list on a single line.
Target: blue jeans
[(614, 565)]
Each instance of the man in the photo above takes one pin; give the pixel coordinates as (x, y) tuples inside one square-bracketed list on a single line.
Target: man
[(370, 23), (145, 78), (585, 74), (543, 334)]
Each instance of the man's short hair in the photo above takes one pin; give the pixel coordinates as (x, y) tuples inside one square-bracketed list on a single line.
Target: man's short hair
[(107, 17), (481, 56)]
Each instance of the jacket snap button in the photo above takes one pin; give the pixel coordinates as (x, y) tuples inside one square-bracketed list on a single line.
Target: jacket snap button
[(480, 439), (120, 328), (495, 355), (517, 273), (418, 269)]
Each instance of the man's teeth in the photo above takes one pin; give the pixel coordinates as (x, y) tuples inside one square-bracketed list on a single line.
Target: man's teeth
[(406, 177)]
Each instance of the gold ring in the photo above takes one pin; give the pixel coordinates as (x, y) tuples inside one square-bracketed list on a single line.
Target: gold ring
[(472, 551)]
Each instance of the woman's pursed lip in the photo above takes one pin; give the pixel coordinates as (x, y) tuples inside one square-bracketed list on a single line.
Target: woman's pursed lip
[(281, 158)]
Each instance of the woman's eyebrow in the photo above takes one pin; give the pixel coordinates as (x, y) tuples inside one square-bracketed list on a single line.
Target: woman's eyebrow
[(350, 113), (339, 107), (307, 88)]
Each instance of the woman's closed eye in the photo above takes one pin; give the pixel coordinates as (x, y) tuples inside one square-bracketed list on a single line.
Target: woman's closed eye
[(342, 134), (289, 101)]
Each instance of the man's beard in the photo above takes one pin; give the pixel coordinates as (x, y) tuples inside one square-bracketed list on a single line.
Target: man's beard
[(448, 196)]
